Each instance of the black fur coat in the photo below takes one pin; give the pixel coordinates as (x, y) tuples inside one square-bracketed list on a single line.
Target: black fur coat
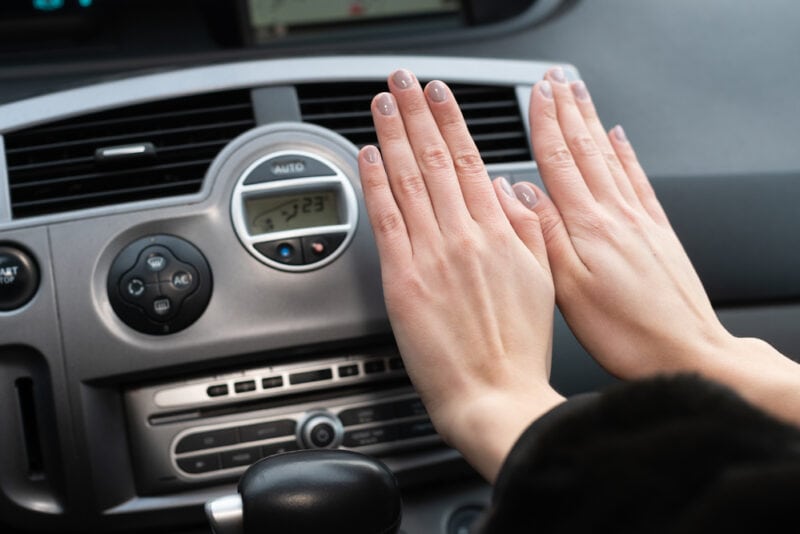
[(662, 455)]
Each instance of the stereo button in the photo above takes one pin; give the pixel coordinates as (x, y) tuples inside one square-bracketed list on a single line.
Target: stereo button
[(207, 440), (217, 390), (416, 429), (272, 382), (310, 376), (199, 464), (240, 457), (374, 366), (279, 448), (245, 386), (367, 414), (408, 408), (348, 370), (272, 429), (370, 436)]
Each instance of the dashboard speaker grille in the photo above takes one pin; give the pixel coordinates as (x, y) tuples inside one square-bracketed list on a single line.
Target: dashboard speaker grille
[(82, 163), (492, 114)]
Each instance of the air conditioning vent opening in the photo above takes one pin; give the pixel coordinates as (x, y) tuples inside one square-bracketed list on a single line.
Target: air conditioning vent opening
[(53, 168), (492, 114)]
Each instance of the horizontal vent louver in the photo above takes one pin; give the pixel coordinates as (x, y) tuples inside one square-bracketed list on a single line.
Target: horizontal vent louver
[(492, 114), (53, 168)]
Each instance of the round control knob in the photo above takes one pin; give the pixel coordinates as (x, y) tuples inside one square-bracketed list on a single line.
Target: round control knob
[(19, 278), (322, 431)]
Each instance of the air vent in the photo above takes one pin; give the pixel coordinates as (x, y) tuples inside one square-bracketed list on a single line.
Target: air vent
[(492, 114), (61, 166)]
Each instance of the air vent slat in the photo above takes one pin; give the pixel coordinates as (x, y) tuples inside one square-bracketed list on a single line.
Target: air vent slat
[(108, 174), (492, 114), (124, 138), (46, 166), (245, 108), (52, 167), (83, 198)]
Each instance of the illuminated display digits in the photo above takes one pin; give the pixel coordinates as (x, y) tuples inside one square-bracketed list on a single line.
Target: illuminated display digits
[(290, 212)]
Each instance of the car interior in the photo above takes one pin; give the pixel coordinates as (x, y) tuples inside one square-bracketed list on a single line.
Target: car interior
[(188, 279)]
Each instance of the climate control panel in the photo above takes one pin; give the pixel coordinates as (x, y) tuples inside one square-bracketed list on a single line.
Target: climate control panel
[(159, 284)]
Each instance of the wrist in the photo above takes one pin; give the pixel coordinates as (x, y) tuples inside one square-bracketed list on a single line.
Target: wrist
[(485, 428), (760, 374)]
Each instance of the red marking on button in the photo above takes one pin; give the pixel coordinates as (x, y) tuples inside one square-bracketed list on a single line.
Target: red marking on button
[(317, 247)]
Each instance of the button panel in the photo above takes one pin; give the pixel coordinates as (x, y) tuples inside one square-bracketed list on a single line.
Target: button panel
[(371, 427), (159, 284)]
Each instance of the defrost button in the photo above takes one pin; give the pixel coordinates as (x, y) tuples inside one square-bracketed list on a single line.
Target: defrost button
[(317, 248)]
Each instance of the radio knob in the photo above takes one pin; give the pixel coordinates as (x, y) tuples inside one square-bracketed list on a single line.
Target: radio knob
[(322, 431)]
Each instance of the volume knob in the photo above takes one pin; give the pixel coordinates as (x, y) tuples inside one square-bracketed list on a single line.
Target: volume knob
[(322, 431)]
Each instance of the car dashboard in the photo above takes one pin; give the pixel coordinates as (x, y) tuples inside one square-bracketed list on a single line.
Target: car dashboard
[(189, 279)]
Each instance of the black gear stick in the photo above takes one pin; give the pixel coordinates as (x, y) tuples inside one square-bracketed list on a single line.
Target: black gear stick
[(311, 491)]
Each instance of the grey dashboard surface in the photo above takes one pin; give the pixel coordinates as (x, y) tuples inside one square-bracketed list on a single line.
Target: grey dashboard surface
[(706, 92)]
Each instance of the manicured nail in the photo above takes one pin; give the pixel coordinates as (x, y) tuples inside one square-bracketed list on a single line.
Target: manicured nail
[(403, 79), (526, 195), (506, 187), (385, 104), (371, 154), (546, 89), (436, 91), (580, 91), (558, 75), (619, 133)]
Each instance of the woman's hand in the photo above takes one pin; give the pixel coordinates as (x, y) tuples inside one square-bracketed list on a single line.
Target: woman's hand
[(465, 273), (623, 281)]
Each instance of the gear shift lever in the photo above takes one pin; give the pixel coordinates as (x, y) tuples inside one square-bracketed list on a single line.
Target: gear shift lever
[(311, 491)]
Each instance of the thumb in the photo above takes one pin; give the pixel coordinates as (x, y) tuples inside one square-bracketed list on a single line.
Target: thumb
[(560, 251)]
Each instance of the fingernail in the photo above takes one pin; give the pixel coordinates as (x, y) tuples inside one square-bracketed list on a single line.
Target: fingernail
[(580, 91), (371, 154), (403, 79), (436, 91), (546, 89), (385, 104), (558, 75), (619, 133), (506, 187), (526, 195)]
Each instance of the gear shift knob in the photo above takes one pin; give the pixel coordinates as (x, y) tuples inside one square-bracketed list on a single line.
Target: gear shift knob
[(310, 492)]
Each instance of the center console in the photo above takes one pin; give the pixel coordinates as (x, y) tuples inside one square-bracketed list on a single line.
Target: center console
[(191, 284)]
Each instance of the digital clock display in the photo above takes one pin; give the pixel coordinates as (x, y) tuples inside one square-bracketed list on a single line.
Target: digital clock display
[(291, 212)]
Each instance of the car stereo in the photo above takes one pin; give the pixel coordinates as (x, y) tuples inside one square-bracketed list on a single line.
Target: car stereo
[(210, 428)]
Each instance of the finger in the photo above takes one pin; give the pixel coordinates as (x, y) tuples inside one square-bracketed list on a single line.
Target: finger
[(584, 102), (405, 178), (638, 178), (476, 186), (564, 260), (524, 221), (582, 145), (387, 222), (554, 159), (429, 148)]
